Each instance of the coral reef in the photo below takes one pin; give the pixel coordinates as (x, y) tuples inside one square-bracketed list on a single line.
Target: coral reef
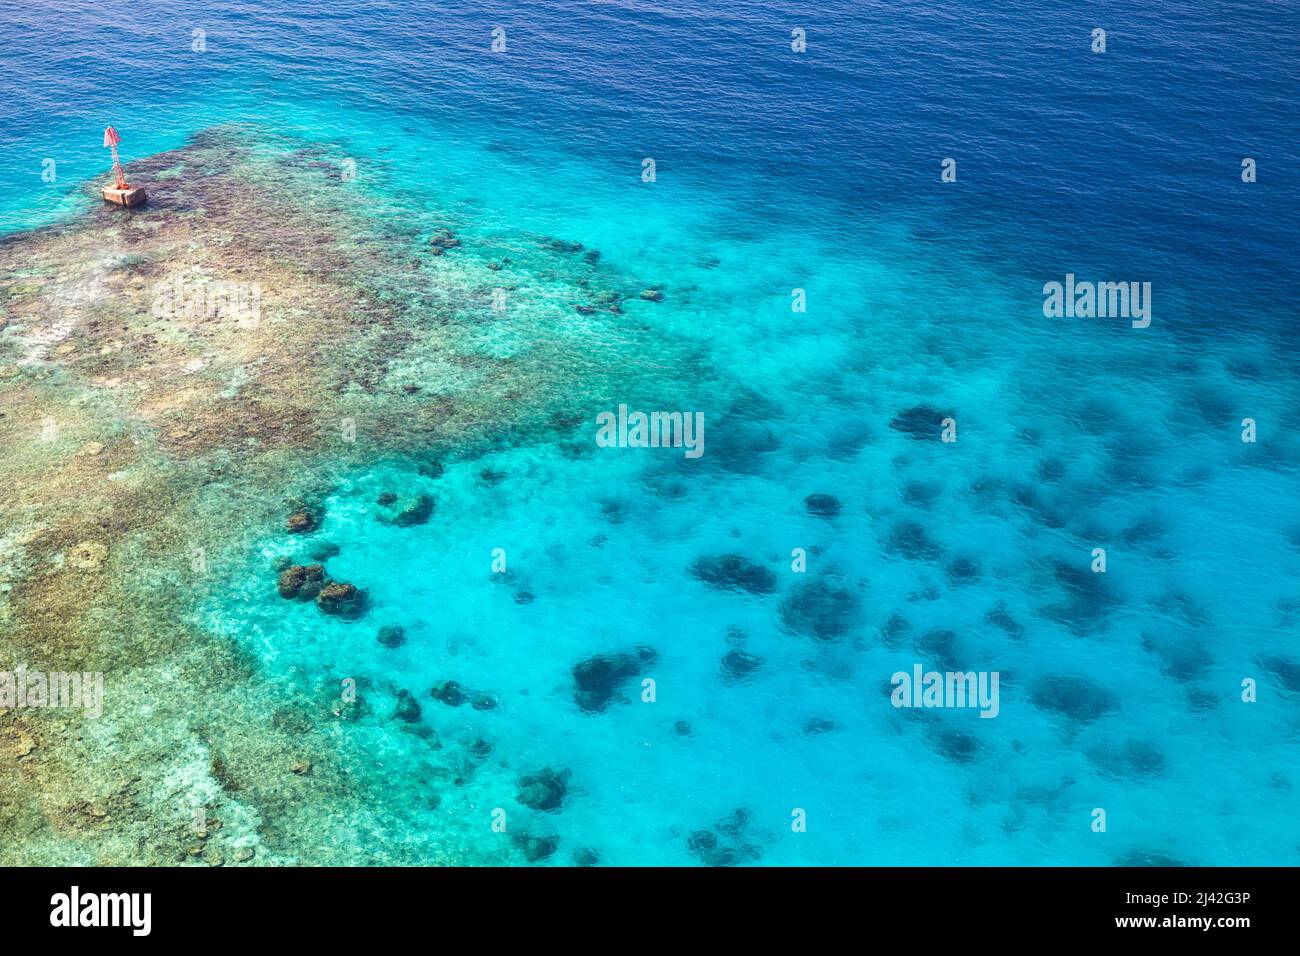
[(172, 377)]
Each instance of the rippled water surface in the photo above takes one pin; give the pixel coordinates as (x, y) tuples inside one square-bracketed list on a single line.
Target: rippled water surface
[(554, 576)]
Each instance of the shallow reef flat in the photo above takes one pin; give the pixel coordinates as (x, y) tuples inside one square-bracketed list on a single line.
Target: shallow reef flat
[(148, 436)]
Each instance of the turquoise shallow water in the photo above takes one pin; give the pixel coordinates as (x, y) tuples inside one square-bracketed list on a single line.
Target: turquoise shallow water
[(1072, 434), (1043, 471)]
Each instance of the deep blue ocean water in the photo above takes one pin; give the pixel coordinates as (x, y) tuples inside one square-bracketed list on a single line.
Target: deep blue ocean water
[(817, 170)]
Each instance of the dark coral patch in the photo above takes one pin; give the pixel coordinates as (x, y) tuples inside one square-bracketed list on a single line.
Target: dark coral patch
[(909, 539), (822, 506), (544, 790), (536, 849), (301, 582), (599, 678), (956, 746), (894, 630), (738, 666), (1051, 469), (920, 422), (740, 445), (939, 646), (442, 240), (727, 843), (561, 245), (408, 708), (431, 468), (1133, 760), (963, 570), (1285, 669), (821, 610), (403, 513), (999, 616), (815, 726), (324, 551), (586, 856), (732, 572), (922, 493), (342, 600), (1090, 598), (1077, 698), (392, 635), (448, 692), (1181, 659), (303, 521)]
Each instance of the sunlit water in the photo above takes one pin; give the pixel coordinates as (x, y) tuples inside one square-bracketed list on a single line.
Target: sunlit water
[(818, 171)]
